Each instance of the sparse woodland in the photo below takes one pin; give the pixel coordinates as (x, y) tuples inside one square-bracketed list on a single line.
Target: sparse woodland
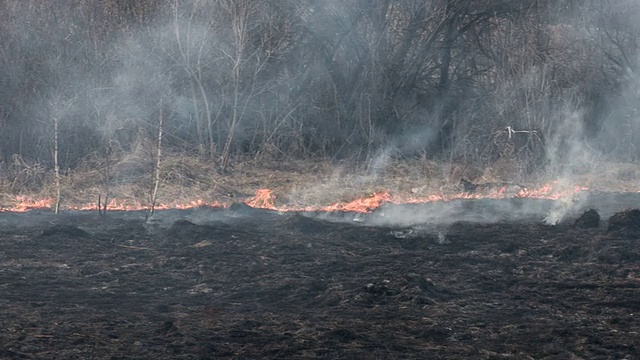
[(539, 83)]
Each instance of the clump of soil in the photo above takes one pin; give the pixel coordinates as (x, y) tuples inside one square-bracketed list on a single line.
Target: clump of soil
[(627, 222), (241, 208), (65, 230), (189, 230), (590, 219)]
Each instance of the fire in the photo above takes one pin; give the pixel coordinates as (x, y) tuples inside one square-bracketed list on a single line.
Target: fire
[(365, 204), (547, 192), (25, 203), (265, 199)]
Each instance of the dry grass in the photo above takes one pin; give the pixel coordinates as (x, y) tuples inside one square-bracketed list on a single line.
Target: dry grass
[(622, 177), (297, 183)]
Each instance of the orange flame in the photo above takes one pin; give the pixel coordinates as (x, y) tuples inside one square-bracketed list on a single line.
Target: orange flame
[(364, 204), (265, 199), (25, 203)]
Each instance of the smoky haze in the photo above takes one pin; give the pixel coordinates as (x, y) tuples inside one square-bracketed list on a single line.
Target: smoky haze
[(538, 88)]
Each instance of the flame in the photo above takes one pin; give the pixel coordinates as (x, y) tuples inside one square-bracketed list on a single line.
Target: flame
[(365, 204), (548, 191), (265, 199), (24, 204)]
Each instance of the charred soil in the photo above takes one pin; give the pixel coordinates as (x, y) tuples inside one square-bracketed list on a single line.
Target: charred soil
[(288, 286)]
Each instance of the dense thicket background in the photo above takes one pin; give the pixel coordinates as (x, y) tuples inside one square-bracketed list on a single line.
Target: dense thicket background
[(539, 82)]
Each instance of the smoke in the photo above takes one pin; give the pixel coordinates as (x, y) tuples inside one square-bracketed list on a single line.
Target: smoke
[(335, 79)]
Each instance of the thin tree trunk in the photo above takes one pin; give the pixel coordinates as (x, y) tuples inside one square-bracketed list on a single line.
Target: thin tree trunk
[(56, 165), (102, 207), (156, 185), (240, 11)]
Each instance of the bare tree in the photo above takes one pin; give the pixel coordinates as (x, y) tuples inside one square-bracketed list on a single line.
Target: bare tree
[(337, 79), (190, 37), (240, 13)]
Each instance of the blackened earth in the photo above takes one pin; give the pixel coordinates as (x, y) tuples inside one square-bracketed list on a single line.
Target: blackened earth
[(267, 285)]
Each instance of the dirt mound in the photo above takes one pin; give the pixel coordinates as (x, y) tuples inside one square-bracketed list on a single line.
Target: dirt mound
[(241, 208), (185, 229), (590, 219), (64, 236), (627, 222)]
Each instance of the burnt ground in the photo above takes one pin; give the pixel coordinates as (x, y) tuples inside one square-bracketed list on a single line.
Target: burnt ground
[(267, 285)]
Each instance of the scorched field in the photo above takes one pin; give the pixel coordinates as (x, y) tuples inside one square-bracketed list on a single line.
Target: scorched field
[(253, 283)]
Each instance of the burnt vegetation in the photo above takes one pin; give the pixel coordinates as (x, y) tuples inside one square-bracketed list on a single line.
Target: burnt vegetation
[(88, 85), (274, 286)]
